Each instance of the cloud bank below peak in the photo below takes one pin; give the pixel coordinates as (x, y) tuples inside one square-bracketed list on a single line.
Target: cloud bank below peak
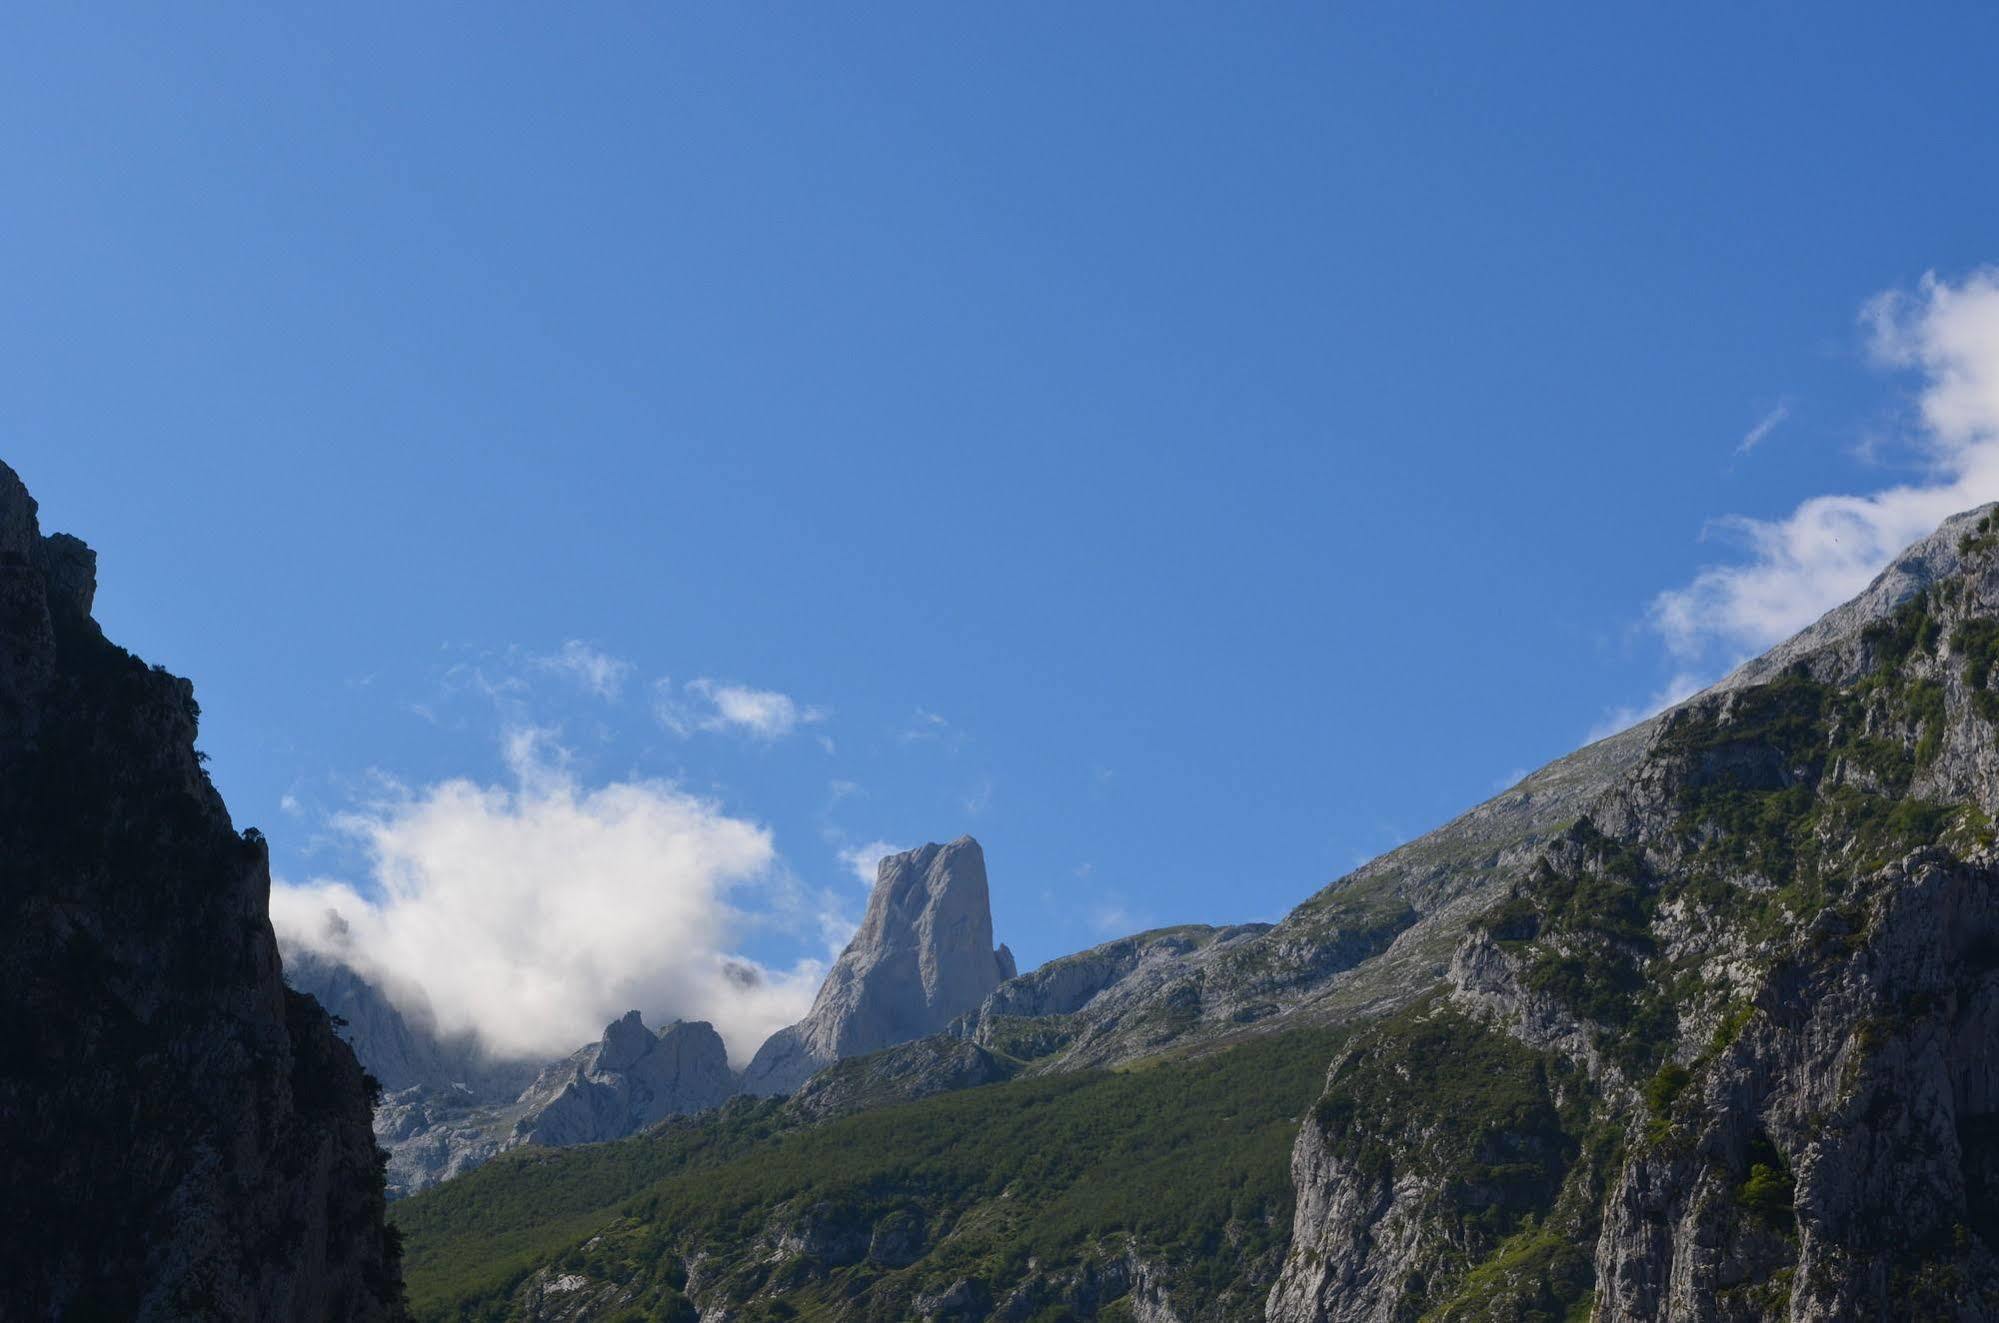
[(532, 913)]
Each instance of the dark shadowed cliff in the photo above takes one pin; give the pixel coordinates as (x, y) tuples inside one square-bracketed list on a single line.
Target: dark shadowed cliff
[(180, 1135)]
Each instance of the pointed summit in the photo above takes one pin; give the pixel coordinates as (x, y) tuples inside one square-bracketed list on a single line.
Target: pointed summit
[(923, 956)]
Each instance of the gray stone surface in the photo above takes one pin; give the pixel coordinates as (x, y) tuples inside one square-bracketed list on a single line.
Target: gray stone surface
[(923, 956), (629, 1080), (447, 1107)]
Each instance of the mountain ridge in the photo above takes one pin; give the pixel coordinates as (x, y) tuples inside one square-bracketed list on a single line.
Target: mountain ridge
[(1661, 996), (922, 956)]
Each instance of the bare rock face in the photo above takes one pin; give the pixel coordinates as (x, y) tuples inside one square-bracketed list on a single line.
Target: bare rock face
[(923, 956), (1722, 1048), (626, 1082), (181, 1136)]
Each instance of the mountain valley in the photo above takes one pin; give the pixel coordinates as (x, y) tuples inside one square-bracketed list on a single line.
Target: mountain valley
[(1664, 1031)]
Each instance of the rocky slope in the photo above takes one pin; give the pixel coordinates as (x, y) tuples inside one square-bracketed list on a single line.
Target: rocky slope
[(1376, 939), (447, 1107), (181, 1136), (1723, 1048), (1696, 1023), (1365, 945), (924, 955)]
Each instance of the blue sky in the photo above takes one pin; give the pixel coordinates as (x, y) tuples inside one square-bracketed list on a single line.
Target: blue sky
[(1191, 448)]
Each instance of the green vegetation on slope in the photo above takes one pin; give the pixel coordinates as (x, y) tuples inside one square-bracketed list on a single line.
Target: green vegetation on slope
[(492, 1225), (1784, 795), (1501, 1139), (1189, 1159)]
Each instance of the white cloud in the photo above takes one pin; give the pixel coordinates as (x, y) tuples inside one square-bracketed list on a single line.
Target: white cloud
[(1683, 685), (1760, 433), (532, 913), (703, 704), (925, 725), (597, 672), (863, 860), (1825, 551)]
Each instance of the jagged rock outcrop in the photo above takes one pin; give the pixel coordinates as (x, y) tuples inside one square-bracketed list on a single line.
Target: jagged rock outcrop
[(181, 1136), (629, 1080), (448, 1107), (432, 1134), (1723, 1048), (924, 955)]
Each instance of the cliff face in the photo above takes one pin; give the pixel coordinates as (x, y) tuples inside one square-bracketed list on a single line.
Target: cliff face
[(1724, 1048), (924, 955), (180, 1134)]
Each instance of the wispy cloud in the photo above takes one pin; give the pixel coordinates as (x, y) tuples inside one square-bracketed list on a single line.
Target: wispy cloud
[(596, 672), (1760, 433), (706, 705), (925, 725), (1797, 567)]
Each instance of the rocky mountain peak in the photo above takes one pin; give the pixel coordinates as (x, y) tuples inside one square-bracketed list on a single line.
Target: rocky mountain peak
[(625, 1040), (626, 1081), (923, 956)]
